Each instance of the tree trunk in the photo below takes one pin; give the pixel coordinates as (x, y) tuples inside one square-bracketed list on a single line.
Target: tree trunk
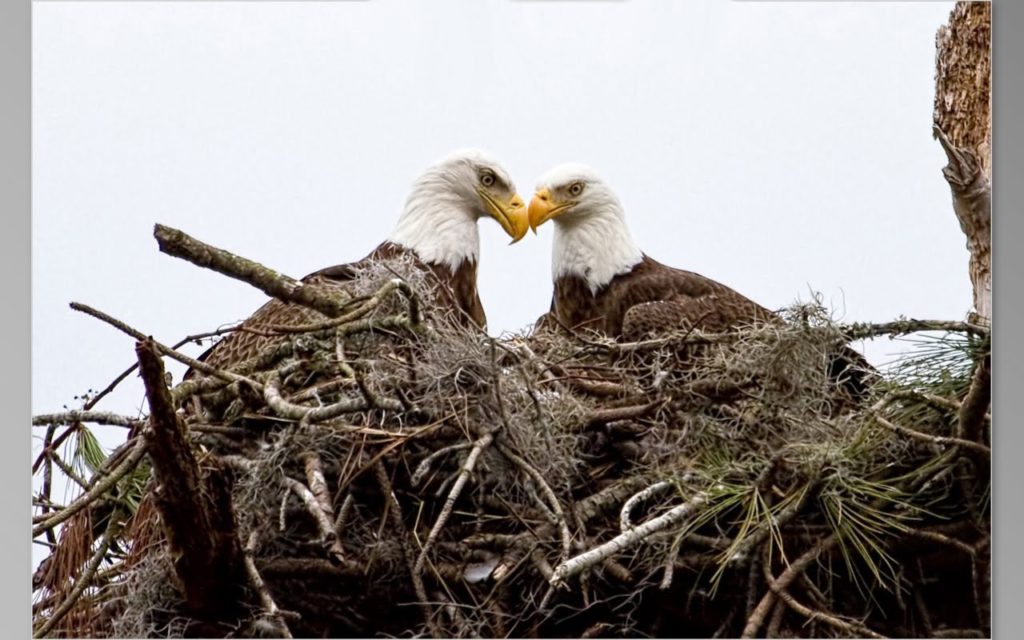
[(962, 120)]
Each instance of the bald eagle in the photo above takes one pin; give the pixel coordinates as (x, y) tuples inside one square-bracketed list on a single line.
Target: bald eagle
[(437, 230), (604, 282)]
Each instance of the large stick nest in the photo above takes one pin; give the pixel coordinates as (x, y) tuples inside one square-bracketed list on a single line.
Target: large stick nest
[(400, 474)]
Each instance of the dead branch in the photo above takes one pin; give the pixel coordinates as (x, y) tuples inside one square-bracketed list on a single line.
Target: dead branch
[(276, 285), (924, 437), (196, 512), (98, 490), (756, 619), (974, 408), (624, 540), (862, 330), (74, 417), (270, 610)]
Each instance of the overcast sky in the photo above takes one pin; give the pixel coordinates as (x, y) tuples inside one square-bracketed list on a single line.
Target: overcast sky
[(779, 148)]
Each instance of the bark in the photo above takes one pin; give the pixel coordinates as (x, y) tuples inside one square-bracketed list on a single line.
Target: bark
[(962, 122), (195, 509)]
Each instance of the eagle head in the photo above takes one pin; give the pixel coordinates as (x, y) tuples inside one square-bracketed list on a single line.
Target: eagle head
[(470, 181), (572, 192)]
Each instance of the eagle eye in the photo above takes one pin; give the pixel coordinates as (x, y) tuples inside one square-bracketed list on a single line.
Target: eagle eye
[(487, 178), (575, 189)]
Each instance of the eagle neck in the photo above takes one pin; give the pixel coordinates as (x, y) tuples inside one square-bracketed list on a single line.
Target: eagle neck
[(596, 247), (438, 225)]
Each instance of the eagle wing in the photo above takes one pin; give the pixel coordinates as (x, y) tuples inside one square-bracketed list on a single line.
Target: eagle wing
[(662, 298), (256, 333)]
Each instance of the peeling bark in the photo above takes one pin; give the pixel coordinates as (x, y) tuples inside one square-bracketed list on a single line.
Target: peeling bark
[(195, 509), (962, 122)]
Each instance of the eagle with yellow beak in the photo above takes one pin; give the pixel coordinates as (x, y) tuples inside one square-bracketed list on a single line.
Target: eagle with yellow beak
[(604, 282), (437, 229)]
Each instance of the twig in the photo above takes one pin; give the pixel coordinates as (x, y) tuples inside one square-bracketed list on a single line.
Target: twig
[(627, 539), (935, 536), (161, 348), (975, 405), (180, 245), (68, 471), (853, 629), (311, 415), (99, 489), (339, 522), (423, 468), (323, 523), (862, 330), (799, 565), (270, 608), (73, 417), (624, 515), (453, 495), (924, 437), (112, 531), (556, 507), (604, 416), (46, 491), (396, 519), (775, 623), (318, 486)]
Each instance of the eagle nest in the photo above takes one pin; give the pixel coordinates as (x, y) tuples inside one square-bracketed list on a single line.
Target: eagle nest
[(395, 473)]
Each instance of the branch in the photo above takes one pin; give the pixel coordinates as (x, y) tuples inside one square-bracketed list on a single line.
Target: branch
[(270, 609), (284, 409), (975, 405), (538, 479), (196, 513), (604, 416), (627, 508), (627, 539), (924, 437), (180, 245), (162, 349), (861, 330), (800, 565), (73, 417), (453, 495), (102, 487)]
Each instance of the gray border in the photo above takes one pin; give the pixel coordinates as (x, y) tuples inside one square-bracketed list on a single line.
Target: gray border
[(15, 244), (1008, 361), (15, 393)]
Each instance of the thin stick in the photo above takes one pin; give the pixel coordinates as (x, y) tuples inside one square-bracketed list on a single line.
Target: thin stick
[(87, 498), (625, 540), (113, 528), (73, 417), (545, 488), (270, 608), (323, 523), (163, 349), (453, 495), (624, 518), (924, 437), (277, 285), (799, 565)]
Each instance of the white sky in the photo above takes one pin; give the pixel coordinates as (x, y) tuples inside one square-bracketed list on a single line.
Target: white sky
[(775, 147)]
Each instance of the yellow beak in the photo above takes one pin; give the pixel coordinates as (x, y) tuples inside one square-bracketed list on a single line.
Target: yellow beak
[(511, 215), (543, 208)]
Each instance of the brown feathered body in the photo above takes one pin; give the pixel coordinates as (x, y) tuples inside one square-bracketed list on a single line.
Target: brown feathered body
[(653, 298), (454, 291)]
